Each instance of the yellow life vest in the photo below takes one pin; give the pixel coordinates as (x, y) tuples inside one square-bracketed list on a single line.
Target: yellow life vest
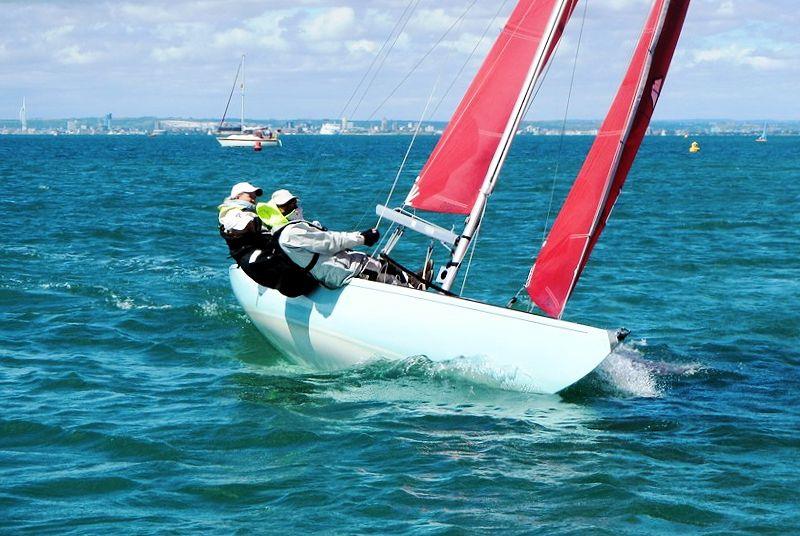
[(270, 215)]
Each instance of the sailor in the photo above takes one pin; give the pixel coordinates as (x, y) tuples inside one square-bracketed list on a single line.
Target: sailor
[(303, 240), (255, 249), (242, 200)]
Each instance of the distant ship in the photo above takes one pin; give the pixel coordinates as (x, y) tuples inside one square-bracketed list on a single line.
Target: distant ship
[(763, 137), (245, 136), (329, 129)]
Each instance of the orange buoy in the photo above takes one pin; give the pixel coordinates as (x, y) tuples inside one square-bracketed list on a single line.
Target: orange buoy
[(257, 146)]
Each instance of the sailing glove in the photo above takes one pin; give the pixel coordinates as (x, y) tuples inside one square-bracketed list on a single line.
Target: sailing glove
[(370, 237)]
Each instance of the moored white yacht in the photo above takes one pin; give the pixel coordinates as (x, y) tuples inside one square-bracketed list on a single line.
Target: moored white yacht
[(243, 136)]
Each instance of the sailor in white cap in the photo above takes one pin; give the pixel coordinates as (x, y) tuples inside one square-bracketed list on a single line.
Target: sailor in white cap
[(301, 240), (239, 208)]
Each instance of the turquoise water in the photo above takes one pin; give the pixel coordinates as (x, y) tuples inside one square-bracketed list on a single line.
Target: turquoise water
[(137, 397)]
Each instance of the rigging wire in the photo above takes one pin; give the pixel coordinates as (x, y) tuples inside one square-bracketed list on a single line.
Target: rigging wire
[(380, 65), (564, 122), (472, 252), (515, 298), (472, 53), (378, 55), (230, 96), (410, 145), (424, 56)]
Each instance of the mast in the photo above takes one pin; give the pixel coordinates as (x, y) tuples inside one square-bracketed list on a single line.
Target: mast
[(561, 11), (242, 93), (23, 116)]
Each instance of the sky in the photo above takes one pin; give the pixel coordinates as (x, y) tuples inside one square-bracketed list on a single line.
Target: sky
[(736, 59)]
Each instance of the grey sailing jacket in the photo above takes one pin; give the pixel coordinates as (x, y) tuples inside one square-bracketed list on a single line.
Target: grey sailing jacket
[(336, 266)]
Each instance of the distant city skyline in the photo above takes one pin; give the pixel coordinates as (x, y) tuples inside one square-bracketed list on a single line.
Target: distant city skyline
[(736, 59)]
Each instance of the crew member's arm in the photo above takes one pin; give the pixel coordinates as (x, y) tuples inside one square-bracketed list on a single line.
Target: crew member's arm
[(304, 236)]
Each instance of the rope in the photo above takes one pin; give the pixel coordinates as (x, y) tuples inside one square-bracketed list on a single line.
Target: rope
[(419, 62), (564, 123), (230, 96)]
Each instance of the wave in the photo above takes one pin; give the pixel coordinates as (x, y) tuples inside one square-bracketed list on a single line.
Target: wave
[(626, 372)]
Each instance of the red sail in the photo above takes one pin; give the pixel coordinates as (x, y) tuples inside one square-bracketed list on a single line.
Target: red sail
[(588, 205), (455, 171)]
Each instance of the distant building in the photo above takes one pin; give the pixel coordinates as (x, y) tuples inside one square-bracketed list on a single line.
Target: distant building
[(107, 122)]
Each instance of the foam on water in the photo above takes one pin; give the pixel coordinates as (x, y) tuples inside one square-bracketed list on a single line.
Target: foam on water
[(629, 373)]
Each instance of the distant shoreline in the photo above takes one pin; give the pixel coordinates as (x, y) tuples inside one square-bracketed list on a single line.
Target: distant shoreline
[(384, 127)]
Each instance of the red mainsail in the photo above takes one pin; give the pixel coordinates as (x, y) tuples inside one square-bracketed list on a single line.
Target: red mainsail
[(455, 171), (588, 205)]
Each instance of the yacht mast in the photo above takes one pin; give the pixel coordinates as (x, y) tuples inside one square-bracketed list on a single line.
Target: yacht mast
[(242, 93), (23, 116)]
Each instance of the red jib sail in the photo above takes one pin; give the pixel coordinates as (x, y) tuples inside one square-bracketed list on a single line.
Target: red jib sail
[(588, 205), (453, 174)]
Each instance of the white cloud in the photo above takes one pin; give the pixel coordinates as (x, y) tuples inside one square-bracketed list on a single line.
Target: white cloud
[(234, 37), (362, 46), (737, 55), (331, 24), (432, 20), (145, 13), (57, 33), (165, 54), (465, 44), (73, 55), (619, 5), (725, 8)]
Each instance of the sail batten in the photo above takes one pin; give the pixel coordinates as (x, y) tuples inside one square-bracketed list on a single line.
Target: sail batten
[(476, 139), (588, 206)]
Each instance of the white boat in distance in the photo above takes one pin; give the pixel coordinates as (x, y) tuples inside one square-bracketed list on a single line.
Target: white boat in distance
[(330, 329), (250, 138), (763, 137), (255, 137)]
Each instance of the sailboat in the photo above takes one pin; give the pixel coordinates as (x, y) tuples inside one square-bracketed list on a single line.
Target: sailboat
[(23, 117), (363, 320), (763, 137), (242, 136)]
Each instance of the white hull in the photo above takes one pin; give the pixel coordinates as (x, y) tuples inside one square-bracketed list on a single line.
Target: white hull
[(334, 329), (247, 140)]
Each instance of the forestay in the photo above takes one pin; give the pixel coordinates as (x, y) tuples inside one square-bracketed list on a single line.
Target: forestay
[(588, 205)]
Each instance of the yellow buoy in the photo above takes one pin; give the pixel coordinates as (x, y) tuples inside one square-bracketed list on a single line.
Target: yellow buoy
[(695, 147)]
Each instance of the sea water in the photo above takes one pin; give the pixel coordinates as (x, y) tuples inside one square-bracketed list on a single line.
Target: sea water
[(135, 395)]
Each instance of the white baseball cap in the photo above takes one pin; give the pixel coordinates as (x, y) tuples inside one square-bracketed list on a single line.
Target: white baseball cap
[(245, 188), (281, 197)]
